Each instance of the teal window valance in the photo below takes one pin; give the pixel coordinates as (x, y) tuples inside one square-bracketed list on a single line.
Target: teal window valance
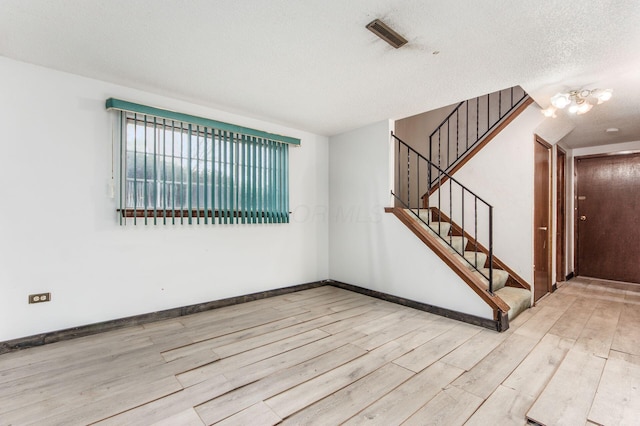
[(121, 105)]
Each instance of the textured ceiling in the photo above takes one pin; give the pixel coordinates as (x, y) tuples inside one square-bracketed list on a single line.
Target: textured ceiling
[(312, 64)]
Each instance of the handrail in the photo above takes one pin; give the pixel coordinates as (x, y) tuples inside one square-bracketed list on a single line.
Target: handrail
[(447, 118), (412, 156)]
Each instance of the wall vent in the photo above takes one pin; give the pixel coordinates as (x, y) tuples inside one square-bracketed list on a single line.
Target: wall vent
[(383, 31)]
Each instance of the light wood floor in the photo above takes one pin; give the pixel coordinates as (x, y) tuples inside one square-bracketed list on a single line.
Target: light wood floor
[(328, 356)]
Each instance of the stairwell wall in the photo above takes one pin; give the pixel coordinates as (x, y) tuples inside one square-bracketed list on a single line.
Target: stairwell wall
[(373, 249)]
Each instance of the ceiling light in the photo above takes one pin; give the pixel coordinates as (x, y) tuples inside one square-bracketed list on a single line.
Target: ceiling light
[(385, 32), (579, 101), (612, 130)]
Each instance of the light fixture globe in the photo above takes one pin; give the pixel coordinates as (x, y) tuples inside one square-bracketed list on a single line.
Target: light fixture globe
[(604, 95), (549, 112), (560, 100), (584, 108)]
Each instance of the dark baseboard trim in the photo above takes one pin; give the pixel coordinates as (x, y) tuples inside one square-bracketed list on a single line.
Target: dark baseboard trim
[(87, 330), (571, 275), (554, 287), (501, 324)]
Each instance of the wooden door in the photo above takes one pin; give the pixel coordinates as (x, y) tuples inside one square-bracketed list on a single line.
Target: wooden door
[(561, 158), (541, 219), (608, 217)]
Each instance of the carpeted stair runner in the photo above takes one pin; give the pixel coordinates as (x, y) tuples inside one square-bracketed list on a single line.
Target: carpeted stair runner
[(518, 299)]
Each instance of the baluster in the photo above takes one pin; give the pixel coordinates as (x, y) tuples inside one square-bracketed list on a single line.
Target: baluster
[(408, 177), (457, 134), (490, 249)]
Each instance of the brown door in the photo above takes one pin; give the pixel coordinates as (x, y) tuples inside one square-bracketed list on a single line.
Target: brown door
[(561, 158), (541, 219), (608, 217)]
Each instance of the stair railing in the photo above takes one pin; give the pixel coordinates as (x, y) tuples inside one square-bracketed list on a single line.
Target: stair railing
[(467, 126), (452, 200)]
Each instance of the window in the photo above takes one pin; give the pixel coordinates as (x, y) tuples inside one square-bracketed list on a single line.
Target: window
[(177, 169)]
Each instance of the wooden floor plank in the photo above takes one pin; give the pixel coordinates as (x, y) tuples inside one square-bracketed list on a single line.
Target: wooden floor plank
[(425, 355), (242, 397), (617, 400), (392, 332), (80, 377), (107, 382), (259, 370), (96, 409), (188, 417), (320, 301), (473, 350), (264, 339), (23, 377), (535, 371), (227, 325), (173, 404), (544, 318), (489, 373), (257, 414), (400, 404), (363, 315), (194, 347), (505, 406), (191, 377), (627, 335), (597, 335), (351, 304), (297, 398), (572, 322), (395, 317), (350, 400), (567, 398), (450, 407)]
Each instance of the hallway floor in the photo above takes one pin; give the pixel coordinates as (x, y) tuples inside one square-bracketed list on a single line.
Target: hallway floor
[(329, 356)]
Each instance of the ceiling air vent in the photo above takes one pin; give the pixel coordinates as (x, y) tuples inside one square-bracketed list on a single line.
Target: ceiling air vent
[(383, 31)]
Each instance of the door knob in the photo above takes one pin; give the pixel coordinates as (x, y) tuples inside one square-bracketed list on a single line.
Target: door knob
[(583, 218), (542, 228)]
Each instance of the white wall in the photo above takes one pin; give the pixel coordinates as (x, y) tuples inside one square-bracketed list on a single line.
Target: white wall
[(58, 228), (373, 249), (502, 174), (571, 196)]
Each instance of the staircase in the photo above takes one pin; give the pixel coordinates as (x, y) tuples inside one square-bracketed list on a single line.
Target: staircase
[(506, 285), (447, 216)]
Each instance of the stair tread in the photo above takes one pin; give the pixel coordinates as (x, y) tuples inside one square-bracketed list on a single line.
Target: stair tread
[(442, 228), (457, 243), (477, 258), (500, 277), (518, 299)]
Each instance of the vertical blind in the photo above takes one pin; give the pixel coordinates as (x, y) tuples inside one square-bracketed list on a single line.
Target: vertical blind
[(180, 169)]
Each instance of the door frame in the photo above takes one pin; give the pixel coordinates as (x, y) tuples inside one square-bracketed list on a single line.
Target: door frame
[(561, 214), (576, 265), (549, 207)]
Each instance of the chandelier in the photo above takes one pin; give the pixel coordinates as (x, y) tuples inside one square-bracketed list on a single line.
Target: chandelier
[(578, 101)]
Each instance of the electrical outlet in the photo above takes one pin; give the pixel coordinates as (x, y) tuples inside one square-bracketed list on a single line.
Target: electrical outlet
[(39, 298)]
